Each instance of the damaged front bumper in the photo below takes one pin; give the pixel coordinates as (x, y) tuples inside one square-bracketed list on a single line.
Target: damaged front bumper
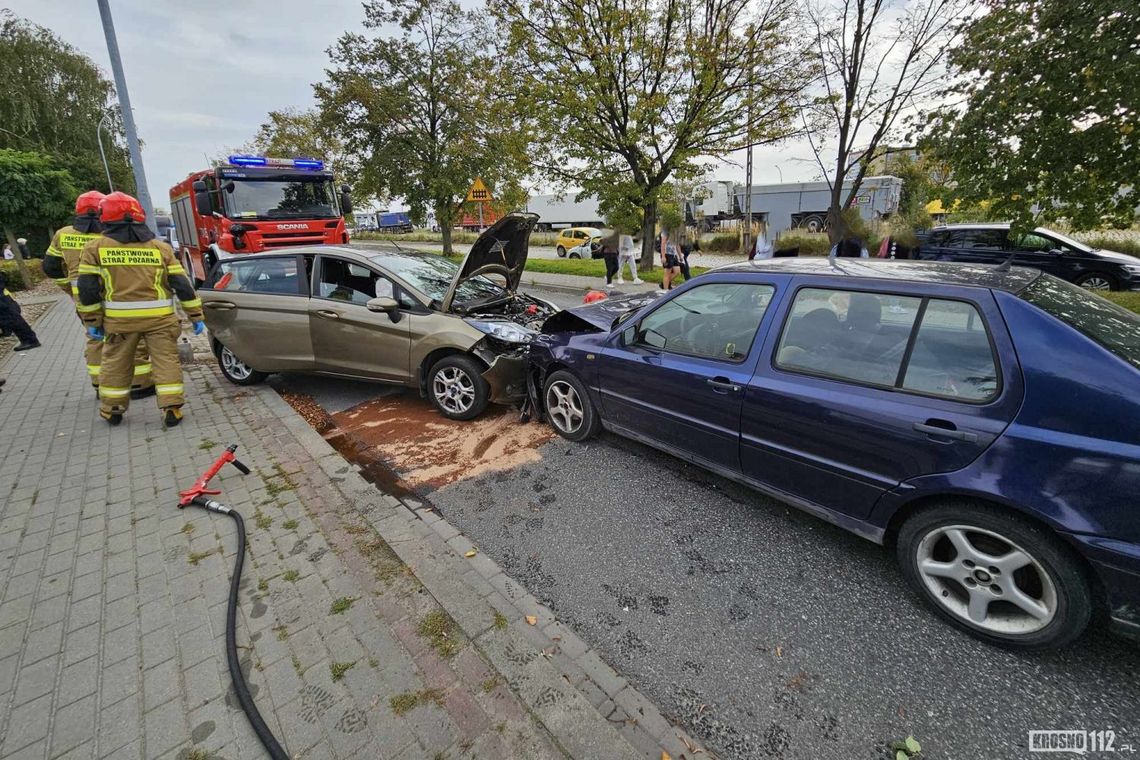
[(505, 375)]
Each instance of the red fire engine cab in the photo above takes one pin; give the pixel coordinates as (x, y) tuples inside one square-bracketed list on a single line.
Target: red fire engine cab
[(253, 204)]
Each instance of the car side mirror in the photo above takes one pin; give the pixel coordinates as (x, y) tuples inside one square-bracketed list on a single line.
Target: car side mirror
[(1056, 252), (204, 203), (382, 304)]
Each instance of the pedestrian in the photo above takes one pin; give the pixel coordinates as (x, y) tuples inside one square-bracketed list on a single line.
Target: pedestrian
[(610, 244), (689, 246), (8, 255), (22, 247), (62, 264), (627, 256), (127, 284), (12, 321), (670, 261), (763, 249)]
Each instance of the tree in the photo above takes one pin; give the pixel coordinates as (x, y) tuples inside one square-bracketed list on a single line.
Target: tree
[(1045, 121), (293, 132), (628, 95), (54, 99), (33, 191), (880, 59), (420, 112)]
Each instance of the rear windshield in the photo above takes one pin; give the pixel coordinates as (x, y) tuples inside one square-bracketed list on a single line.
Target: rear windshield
[(1112, 326)]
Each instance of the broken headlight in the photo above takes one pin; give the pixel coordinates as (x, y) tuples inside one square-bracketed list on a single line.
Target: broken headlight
[(507, 332)]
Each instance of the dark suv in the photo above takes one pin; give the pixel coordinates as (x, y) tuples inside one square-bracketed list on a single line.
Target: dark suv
[(1042, 249)]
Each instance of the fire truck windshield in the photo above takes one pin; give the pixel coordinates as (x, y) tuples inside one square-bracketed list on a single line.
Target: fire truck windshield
[(279, 198)]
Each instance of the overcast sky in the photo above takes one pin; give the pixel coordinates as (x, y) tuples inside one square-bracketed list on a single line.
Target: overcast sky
[(203, 74)]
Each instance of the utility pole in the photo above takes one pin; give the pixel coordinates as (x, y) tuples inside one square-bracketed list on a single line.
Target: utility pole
[(103, 153), (128, 115)]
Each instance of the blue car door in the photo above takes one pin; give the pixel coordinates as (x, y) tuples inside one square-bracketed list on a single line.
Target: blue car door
[(676, 376), (863, 389)]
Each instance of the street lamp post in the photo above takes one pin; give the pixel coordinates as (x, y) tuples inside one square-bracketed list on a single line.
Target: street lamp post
[(128, 115), (103, 153)]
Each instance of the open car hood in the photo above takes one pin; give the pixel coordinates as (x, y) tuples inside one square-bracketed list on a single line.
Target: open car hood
[(501, 250)]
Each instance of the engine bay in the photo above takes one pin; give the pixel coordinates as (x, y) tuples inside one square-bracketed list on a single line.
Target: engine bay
[(519, 308)]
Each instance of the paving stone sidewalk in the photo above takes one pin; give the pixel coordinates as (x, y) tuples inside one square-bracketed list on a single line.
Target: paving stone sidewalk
[(364, 630)]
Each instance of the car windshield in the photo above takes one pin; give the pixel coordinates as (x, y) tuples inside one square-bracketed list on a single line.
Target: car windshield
[(280, 199), (1112, 326), (432, 276)]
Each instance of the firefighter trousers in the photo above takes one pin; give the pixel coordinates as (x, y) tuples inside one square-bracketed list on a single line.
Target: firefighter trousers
[(117, 370), (93, 356)]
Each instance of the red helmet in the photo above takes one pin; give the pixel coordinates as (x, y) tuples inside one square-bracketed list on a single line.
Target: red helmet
[(88, 203), (120, 207), (594, 295)]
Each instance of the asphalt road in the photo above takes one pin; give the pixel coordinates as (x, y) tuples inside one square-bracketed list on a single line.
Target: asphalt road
[(764, 631)]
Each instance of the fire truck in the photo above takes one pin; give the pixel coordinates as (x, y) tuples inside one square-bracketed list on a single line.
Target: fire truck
[(252, 204)]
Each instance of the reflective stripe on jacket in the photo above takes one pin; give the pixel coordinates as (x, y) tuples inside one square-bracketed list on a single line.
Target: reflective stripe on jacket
[(67, 245), (129, 287)]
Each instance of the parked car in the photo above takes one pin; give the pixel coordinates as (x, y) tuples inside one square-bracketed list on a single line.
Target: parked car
[(1049, 251), (982, 422), (573, 237), (383, 313)]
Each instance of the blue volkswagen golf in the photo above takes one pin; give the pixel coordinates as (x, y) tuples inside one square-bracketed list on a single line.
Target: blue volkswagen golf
[(984, 423)]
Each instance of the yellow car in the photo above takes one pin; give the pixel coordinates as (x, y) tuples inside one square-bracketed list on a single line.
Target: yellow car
[(572, 237)]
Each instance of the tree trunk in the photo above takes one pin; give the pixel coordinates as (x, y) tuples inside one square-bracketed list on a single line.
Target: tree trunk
[(445, 230), (648, 232), (25, 275)]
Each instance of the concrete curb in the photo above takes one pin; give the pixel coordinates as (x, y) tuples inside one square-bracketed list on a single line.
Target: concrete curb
[(586, 706)]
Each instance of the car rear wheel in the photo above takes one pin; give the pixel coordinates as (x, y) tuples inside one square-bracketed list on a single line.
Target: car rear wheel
[(568, 407), (1097, 281), (1002, 578), (237, 371), (561, 252), (456, 387), (574, 254)]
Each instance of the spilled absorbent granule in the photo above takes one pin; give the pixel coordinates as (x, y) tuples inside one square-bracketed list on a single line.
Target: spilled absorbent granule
[(427, 451)]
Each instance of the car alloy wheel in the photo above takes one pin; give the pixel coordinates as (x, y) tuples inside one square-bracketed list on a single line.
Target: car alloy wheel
[(1096, 282), (235, 368), (986, 580), (454, 390), (564, 407)]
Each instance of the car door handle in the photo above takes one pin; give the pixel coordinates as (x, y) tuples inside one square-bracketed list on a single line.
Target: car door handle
[(327, 314), (723, 385), (220, 305), (944, 429)]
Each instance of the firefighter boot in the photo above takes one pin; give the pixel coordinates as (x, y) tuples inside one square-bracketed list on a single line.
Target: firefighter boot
[(116, 373)]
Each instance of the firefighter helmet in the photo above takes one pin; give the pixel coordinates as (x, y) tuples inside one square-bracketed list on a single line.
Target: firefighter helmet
[(120, 207), (88, 203), (594, 295)]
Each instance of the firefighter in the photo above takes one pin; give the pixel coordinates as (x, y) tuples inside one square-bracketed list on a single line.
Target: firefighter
[(62, 264), (127, 284)]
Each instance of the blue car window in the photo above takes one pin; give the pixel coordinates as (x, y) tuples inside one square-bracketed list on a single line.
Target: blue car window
[(848, 335), (952, 355), (715, 321)]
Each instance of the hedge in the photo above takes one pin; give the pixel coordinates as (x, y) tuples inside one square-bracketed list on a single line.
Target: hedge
[(12, 273)]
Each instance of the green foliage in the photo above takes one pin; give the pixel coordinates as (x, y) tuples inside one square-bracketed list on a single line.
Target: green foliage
[(441, 632), (338, 669), (627, 97), (724, 243), (1111, 242), (298, 132), (11, 271), (34, 192), (1128, 300), (809, 243), (592, 268), (1049, 128), (343, 604), (54, 97), (423, 112)]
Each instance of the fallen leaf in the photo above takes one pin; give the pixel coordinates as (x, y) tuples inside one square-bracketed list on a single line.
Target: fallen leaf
[(470, 554), (779, 651), (556, 638), (665, 755), (531, 620)]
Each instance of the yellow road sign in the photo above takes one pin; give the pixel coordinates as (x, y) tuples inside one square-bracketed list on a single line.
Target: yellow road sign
[(478, 192)]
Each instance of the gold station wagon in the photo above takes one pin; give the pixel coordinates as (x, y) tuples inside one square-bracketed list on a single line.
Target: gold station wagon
[(457, 332)]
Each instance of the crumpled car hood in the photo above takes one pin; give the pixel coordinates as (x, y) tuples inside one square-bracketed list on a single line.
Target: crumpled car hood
[(600, 315)]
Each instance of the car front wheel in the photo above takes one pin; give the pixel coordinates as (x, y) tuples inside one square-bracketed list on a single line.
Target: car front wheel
[(237, 371), (1097, 281), (456, 387), (561, 252), (568, 407), (1002, 578)]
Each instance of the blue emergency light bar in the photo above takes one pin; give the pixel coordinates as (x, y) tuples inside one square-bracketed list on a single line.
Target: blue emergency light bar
[(313, 164)]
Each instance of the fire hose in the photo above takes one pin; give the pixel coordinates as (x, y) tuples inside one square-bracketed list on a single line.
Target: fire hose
[(197, 496)]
